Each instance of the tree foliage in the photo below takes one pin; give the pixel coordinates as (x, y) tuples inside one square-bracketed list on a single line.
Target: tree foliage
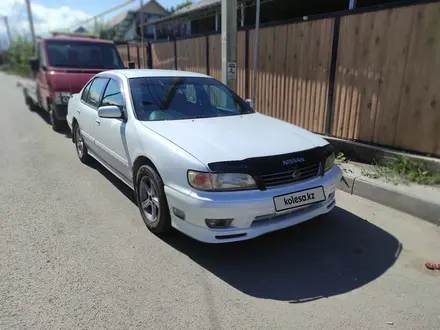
[(19, 53), (184, 4)]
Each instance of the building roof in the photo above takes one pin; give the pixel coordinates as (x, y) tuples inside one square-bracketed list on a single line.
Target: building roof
[(145, 73), (200, 5), (151, 6), (79, 38), (124, 20)]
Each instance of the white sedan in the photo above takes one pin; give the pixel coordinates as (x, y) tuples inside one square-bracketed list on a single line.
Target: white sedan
[(198, 157)]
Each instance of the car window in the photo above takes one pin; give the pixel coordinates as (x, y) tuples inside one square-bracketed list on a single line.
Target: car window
[(174, 98), (95, 91), (112, 95), (86, 91), (219, 98)]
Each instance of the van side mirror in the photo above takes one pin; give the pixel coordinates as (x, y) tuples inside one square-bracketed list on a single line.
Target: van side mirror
[(131, 65), (34, 64), (250, 103)]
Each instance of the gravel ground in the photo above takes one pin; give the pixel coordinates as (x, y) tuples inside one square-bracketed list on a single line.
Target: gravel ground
[(74, 254)]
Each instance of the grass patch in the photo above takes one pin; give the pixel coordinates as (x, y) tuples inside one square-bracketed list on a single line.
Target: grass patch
[(340, 158), (404, 170)]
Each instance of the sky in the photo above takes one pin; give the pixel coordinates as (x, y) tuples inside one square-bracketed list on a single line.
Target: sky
[(50, 15)]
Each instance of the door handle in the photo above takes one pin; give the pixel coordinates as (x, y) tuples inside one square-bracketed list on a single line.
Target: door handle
[(98, 121)]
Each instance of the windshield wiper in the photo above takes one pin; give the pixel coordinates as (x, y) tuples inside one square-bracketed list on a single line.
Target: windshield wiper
[(202, 116)]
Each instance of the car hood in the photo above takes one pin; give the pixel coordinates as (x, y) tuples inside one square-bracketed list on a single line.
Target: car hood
[(235, 137)]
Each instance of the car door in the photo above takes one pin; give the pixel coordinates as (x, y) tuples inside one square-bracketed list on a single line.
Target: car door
[(110, 137), (87, 111)]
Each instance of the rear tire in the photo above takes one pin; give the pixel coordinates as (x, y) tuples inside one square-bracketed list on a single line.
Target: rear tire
[(81, 148), (29, 102), (56, 124), (151, 200)]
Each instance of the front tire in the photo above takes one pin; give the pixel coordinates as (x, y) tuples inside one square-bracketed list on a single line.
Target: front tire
[(151, 200), (81, 148), (29, 102), (56, 124)]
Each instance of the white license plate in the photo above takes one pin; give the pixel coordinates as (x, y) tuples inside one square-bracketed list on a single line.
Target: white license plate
[(299, 198)]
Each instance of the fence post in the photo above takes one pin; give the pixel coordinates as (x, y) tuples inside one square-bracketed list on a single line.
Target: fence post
[(139, 58), (149, 56), (175, 54), (246, 64), (128, 52), (332, 75), (207, 56)]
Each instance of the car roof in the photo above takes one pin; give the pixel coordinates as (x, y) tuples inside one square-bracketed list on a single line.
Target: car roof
[(145, 73)]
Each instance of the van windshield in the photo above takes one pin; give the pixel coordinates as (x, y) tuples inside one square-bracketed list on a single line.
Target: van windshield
[(87, 55)]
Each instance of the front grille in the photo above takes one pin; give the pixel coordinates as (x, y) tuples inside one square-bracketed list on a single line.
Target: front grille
[(286, 177)]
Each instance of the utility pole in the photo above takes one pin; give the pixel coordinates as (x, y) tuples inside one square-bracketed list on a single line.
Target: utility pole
[(229, 43), (31, 21), (352, 4), (8, 30), (257, 39), (142, 33)]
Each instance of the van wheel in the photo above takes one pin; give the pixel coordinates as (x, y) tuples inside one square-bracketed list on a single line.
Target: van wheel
[(29, 101), (54, 122), (152, 201)]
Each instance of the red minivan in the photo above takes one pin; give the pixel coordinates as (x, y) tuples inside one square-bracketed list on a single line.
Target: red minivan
[(62, 65)]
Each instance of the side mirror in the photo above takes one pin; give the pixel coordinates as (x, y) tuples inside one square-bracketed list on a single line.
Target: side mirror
[(250, 103), (131, 65), (34, 64), (110, 111)]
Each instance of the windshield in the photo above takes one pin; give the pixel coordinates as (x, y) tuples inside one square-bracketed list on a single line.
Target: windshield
[(87, 55), (173, 98)]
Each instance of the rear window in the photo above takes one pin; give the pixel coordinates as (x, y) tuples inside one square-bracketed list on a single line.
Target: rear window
[(86, 55)]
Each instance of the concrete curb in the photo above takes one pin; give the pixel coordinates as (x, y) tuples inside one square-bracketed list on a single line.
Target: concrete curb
[(369, 154), (387, 196)]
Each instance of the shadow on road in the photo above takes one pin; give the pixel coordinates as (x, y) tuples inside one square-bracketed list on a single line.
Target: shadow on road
[(122, 187), (327, 256), (45, 116)]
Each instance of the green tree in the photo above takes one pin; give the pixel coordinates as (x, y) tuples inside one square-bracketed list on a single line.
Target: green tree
[(184, 4), (18, 55)]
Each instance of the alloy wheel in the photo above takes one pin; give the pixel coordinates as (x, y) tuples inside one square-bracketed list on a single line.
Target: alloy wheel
[(149, 199), (79, 142)]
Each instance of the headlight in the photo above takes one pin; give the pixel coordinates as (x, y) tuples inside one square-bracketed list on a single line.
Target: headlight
[(62, 97), (220, 181), (329, 162)]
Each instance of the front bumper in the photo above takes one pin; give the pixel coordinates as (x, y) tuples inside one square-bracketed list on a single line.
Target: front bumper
[(253, 211)]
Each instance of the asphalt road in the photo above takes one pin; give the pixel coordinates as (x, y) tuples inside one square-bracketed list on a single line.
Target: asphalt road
[(74, 254)]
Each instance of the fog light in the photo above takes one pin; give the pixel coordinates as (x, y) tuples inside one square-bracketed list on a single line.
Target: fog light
[(179, 213), (218, 223)]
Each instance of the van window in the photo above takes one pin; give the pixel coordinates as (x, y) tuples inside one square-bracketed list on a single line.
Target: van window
[(81, 54), (42, 56)]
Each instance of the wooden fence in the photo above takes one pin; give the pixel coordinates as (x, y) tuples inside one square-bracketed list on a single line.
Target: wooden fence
[(372, 77), (133, 52)]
